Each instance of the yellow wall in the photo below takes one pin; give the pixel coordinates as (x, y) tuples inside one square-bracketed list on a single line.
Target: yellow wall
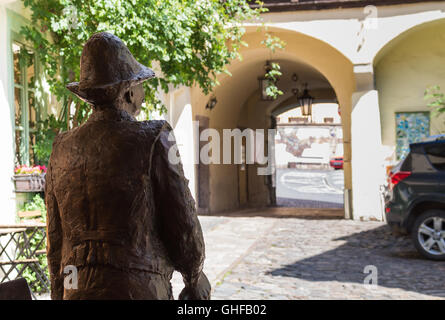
[(410, 64)]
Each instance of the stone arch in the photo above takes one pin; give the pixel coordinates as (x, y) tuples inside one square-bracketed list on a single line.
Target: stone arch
[(404, 68), (238, 93), (404, 31)]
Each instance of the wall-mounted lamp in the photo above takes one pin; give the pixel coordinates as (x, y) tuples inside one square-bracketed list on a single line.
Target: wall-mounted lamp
[(211, 103), (295, 89)]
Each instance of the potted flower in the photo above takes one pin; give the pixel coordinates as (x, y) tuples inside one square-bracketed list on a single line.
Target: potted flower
[(29, 178)]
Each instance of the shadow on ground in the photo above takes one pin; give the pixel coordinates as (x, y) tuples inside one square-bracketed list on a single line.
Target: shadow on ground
[(397, 261), (286, 212), (299, 203)]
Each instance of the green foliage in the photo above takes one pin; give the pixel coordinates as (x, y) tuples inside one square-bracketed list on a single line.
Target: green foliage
[(273, 43), (436, 99), (35, 243), (46, 132), (272, 76), (192, 41), (29, 274), (37, 203)]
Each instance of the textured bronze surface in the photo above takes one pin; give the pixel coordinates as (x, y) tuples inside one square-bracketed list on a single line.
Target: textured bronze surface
[(15, 290), (107, 68), (118, 210)]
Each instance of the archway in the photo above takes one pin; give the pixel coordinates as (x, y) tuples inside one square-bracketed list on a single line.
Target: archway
[(309, 151), (239, 106), (404, 69)]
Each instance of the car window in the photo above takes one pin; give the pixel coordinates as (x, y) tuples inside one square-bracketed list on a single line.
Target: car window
[(406, 164), (436, 155)]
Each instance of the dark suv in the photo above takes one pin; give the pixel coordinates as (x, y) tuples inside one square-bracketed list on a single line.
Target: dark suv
[(415, 202)]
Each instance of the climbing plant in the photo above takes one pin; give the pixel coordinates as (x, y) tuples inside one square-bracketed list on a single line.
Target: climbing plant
[(435, 98), (436, 101), (190, 41), (34, 276)]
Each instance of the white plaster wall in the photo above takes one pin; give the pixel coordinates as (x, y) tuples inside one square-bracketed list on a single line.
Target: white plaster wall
[(180, 117), (7, 203), (352, 32), (367, 162)]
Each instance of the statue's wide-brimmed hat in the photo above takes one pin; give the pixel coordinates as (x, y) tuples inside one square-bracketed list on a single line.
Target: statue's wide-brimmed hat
[(107, 68)]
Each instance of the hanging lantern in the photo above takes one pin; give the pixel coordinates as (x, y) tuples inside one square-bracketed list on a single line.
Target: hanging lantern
[(306, 102)]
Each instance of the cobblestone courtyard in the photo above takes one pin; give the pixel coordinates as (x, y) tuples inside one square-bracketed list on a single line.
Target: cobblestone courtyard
[(301, 258)]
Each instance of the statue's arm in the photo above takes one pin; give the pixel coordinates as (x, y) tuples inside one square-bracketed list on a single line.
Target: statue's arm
[(54, 238), (180, 229)]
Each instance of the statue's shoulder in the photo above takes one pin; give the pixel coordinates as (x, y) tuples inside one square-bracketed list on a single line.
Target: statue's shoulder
[(60, 137), (155, 127), (63, 135)]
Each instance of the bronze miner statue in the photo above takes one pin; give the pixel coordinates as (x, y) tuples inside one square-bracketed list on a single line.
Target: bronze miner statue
[(118, 211)]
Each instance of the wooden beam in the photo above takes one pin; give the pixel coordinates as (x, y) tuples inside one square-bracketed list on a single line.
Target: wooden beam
[(280, 6)]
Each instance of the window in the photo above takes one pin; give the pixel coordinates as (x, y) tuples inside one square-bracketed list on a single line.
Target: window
[(26, 111), (410, 127), (407, 163), (436, 155)]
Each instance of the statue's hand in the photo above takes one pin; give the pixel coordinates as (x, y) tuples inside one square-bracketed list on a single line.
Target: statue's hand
[(200, 291)]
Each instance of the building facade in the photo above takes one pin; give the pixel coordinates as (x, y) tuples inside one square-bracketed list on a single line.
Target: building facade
[(373, 58), (16, 100)]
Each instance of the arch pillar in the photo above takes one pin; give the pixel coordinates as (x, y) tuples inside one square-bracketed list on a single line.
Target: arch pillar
[(180, 117), (366, 146)]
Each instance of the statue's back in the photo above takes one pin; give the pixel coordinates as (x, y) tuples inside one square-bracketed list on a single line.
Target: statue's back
[(104, 195)]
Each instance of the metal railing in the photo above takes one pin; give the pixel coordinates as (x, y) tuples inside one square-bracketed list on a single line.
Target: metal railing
[(23, 254)]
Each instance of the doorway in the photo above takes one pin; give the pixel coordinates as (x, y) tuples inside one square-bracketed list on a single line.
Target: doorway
[(309, 158)]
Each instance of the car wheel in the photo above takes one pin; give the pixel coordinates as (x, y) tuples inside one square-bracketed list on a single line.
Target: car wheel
[(428, 234)]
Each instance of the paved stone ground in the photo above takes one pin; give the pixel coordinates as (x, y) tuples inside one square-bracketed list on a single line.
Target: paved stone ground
[(295, 258), (311, 258)]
